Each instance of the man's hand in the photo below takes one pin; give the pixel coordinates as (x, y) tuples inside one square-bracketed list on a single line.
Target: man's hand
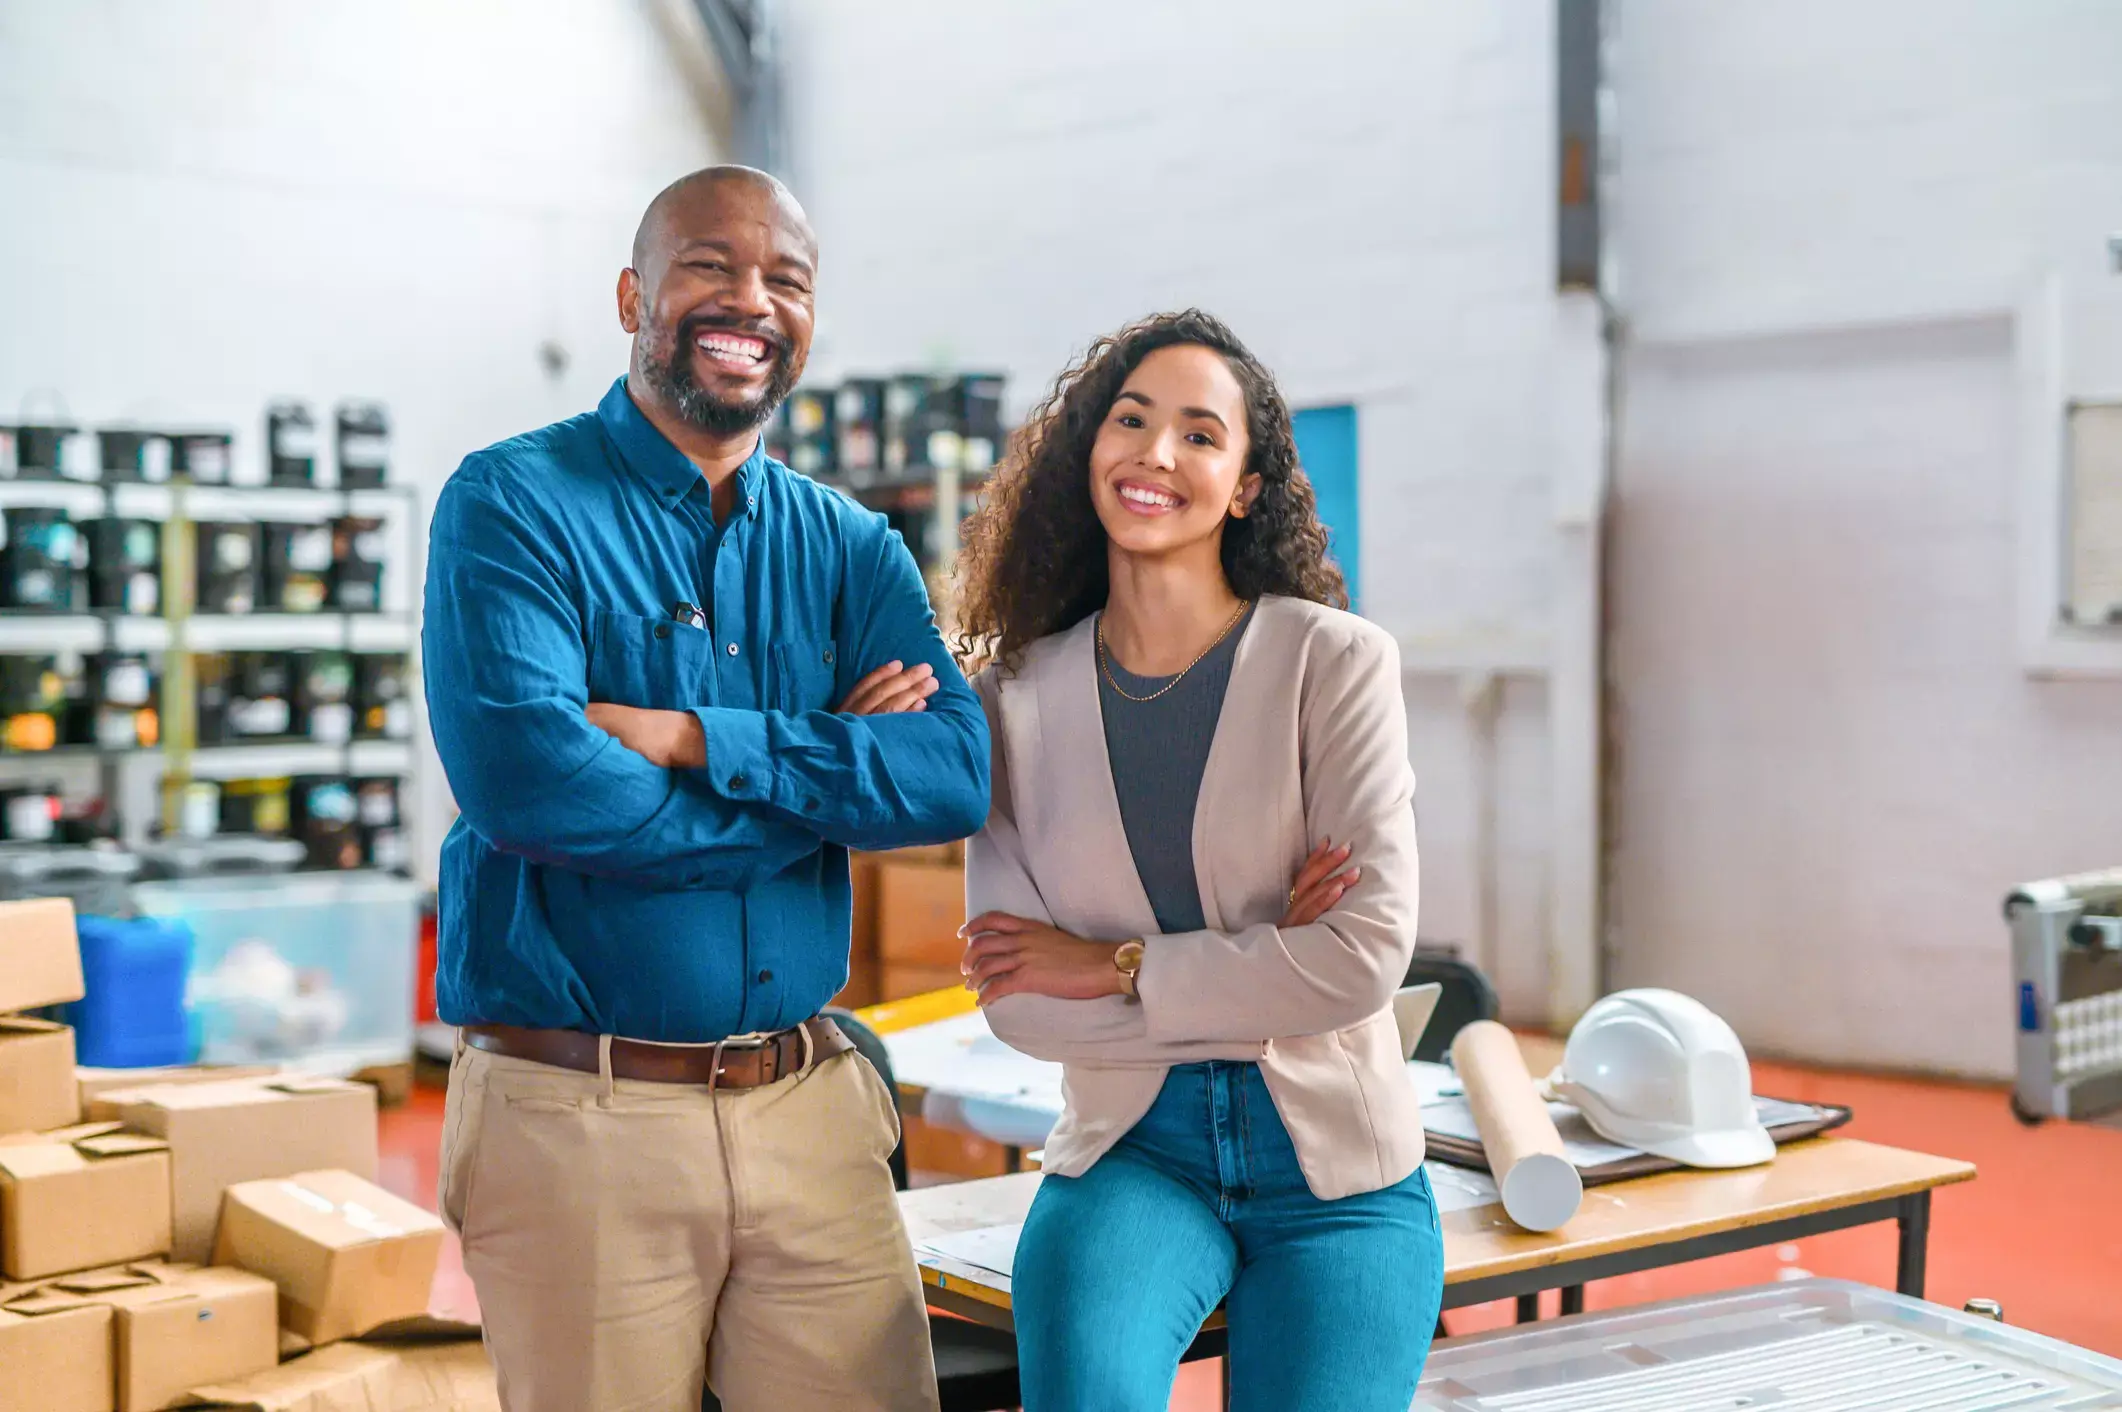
[(893, 687), (672, 739), (1013, 956)]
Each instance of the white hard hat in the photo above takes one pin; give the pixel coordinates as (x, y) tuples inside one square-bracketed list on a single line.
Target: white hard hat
[(1659, 1071)]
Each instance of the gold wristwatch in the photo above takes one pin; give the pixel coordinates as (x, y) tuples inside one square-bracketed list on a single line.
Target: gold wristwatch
[(1128, 962)]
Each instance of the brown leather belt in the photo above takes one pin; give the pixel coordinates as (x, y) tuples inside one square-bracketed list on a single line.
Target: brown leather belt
[(750, 1061)]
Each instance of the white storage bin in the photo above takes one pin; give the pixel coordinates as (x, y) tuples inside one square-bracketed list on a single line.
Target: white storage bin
[(313, 970)]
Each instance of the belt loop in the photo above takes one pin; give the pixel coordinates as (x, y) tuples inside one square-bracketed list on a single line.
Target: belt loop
[(810, 1046), (604, 1072), (461, 1046), (714, 1068)]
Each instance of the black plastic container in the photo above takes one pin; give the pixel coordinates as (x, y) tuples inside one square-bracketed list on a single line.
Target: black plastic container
[(813, 443), (913, 413), (115, 707), (297, 567), (261, 696), (135, 454), (257, 806), (44, 563), (323, 696), (33, 698), (30, 813), (228, 556), (33, 452), (383, 842), (205, 457), (325, 817), (364, 445), (357, 565), (858, 423), (290, 444), (975, 406), (124, 565), (775, 436), (383, 704)]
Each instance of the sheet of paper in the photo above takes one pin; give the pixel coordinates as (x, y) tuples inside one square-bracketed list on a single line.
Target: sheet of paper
[(1451, 1117), (961, 1056), (991, 1248), (1460, 1188), (994, 1248)]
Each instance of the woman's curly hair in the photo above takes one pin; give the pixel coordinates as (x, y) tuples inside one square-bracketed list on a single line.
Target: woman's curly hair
[(1034, 555)]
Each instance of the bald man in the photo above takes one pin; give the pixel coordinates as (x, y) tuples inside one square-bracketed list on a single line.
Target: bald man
[(672, 684)]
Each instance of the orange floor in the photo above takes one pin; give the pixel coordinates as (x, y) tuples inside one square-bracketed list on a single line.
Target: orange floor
[(2040, 1230)]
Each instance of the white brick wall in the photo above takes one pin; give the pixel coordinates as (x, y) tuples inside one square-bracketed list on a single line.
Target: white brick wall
[(1361, 189), (210, 203), (1833, 762)]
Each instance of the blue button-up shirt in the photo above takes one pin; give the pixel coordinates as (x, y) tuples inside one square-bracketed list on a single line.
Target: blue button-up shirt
[(582, 886)]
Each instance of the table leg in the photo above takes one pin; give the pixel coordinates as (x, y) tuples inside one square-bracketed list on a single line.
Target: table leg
[(1012, 1159), (1529, 1308), (1913, 1266), (1572, 1300), (1223, 1364)]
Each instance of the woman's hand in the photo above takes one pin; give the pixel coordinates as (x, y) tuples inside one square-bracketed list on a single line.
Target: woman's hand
[(1014, 956), (892, 688), (1320, 885)]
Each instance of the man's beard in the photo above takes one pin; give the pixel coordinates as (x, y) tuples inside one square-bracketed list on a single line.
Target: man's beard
[(670, 373)]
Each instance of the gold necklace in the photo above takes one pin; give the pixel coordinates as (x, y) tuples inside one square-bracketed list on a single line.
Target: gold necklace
[(1105, 661)]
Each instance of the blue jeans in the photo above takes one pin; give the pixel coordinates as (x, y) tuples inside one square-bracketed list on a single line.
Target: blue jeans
[(1331, 1304)]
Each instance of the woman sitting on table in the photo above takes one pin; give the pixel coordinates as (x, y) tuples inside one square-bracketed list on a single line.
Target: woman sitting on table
[(1196, 889)]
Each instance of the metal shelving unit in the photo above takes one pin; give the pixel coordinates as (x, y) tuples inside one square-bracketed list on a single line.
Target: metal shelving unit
[(138, 782)]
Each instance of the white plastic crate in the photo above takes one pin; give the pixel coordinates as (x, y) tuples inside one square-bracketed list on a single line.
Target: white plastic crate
[(313, 970)]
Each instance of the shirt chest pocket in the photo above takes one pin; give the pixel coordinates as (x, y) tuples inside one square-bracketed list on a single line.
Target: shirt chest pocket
[(805, 674), (642, 662)]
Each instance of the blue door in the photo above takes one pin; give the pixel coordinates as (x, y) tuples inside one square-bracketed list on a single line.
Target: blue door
[(1326, 444)]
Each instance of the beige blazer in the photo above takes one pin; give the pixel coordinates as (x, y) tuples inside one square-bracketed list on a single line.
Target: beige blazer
[(1311, 744)]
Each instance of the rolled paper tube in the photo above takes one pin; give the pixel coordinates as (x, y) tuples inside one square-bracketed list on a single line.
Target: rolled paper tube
[(1540, 1185)]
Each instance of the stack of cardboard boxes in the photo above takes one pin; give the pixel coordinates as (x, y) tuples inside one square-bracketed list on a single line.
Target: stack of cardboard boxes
[(909, 905), (169, 1237)]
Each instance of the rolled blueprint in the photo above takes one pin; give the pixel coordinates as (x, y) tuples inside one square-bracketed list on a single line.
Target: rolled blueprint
[(1541, 1188)]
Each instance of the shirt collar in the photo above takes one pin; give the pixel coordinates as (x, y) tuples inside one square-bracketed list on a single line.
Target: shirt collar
[(651, 456)]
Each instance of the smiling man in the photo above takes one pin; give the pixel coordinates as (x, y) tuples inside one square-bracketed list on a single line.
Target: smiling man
[(672, 683)]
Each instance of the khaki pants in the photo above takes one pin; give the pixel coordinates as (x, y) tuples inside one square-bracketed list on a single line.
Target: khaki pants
[(629, 1239)]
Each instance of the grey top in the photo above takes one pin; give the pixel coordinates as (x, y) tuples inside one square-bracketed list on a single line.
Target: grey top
[(1159, 750)]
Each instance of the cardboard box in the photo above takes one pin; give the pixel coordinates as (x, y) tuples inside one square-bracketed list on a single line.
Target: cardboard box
[(899, 982), (348, 1256), (919, 911), (56, 1353), (40, 957), (95, 1085), (36, 1076), (179, 1327), (81, 1197), (454, 1376), (220, 1134)]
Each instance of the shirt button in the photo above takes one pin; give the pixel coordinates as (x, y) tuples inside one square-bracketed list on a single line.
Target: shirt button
[(751, 502), (765, 977), (828, 656), (739, 783), (662, 630), (733, 649)]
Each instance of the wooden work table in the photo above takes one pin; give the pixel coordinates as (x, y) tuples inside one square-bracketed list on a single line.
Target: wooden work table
[(1822, 1184)]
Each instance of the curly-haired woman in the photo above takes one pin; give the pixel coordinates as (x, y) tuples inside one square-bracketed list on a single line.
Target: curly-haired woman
[(1196, 889)]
